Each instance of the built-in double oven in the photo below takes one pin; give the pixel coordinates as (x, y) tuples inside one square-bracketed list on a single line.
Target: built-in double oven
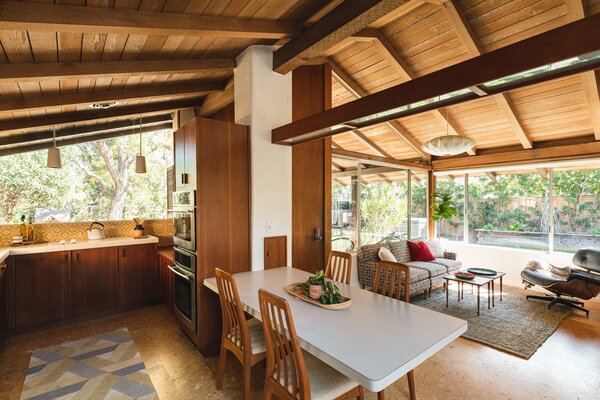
[(184, 268)]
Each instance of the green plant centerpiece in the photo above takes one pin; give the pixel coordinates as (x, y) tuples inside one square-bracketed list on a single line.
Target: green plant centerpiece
[(443, 207), (318, 288), (138, 230)]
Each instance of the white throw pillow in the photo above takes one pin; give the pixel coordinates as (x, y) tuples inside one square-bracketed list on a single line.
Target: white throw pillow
[(386, 255), (435, 247)]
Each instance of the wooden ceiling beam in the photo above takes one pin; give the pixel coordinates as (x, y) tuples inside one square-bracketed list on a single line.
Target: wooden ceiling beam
[(369, 143), (80, 139), (46, 121), (567, 41), (20, 16), (369, 158), (467, 36), (217, 101), (525, 156), (85, 129), (338, 24), (397, 13), (357, 91), (35, 72), (370, 170), (492, 176), (543, 173), (106, 96), (576, 11)]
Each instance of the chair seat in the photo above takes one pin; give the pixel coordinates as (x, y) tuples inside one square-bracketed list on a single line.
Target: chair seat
[(257, 337), (325, 382), (541, 277)]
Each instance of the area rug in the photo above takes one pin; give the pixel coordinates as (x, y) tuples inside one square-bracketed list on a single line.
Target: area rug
[(99, 367), (515, 325)]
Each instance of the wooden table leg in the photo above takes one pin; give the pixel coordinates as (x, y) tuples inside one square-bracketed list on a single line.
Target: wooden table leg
[(489, 293), (462, 291), (493, 295), (446, 286), (478, 287), (501, 288), (458, 291)]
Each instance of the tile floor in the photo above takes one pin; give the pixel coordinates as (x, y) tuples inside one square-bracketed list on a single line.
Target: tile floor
[(565, 367)]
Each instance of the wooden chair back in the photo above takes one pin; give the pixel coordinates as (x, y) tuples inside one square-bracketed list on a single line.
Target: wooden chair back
[(286, 371), (235, 328), (339, 267), (388, 280)]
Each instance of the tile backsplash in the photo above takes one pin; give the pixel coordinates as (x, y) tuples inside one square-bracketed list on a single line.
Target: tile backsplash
[(55, 231)]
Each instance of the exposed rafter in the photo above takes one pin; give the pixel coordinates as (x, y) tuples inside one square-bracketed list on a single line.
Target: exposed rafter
[(492, 176), (395, 61), (369, 143), (15, 15), (576, 11), (35, 72), (370, 170), (369, 158), (217, 101), (356, 91), (543, 173), (85, 98), (338, 24), (46, 121), (467, 36)]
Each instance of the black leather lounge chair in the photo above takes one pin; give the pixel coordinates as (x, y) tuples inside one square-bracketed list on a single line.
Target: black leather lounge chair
[(579, 283)]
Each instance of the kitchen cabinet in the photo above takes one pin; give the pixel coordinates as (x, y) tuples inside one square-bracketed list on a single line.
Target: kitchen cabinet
[(3, 304), (185, 155), (93, 280), (136, 274), (165, 280), (41, 288)]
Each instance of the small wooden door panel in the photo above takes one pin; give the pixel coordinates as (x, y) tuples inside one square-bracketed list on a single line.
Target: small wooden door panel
[(93, 280), (275, 252)]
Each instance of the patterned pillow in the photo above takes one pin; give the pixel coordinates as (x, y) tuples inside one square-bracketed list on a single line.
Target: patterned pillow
[(400, 251)]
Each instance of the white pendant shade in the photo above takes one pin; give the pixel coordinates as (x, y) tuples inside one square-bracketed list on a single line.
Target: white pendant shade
[(448, 145), (54, 160), (140, 164)]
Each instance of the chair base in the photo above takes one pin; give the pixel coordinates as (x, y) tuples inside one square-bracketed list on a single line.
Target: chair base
[(560, 300)]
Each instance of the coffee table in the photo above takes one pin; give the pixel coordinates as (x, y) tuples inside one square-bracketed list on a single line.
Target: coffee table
[(478, 281)]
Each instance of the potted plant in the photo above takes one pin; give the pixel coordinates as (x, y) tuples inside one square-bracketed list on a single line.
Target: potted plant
[(138, 230), (443, 207), (318, 288)]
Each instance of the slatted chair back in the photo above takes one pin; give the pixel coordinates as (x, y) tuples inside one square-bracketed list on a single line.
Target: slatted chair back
[(339, 267), (286, 370), (235, 328), (389, 280)]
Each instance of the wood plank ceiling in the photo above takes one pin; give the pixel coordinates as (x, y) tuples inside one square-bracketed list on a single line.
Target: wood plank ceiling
[(49, 75)]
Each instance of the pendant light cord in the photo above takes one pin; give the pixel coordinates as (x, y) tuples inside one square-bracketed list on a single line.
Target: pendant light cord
[(54, 136), (140, 135)]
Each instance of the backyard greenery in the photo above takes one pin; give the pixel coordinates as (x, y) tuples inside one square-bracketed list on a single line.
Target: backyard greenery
[(97, 180)]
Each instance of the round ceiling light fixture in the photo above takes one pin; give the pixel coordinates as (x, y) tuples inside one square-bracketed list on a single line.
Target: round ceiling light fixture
[(448, 145), (103, 106)]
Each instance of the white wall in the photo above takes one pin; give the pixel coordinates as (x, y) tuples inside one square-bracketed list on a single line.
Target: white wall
[(263, 101)]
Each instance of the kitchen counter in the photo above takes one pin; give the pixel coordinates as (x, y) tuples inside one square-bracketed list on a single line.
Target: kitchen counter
[(80, 245)]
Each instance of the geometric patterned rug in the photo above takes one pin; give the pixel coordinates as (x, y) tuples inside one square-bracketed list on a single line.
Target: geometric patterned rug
[(106, 366)]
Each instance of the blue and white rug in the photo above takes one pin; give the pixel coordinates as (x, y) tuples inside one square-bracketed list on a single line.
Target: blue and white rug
[(100, 367)]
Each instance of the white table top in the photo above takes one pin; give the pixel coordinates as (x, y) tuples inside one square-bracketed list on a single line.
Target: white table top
[(375, 341)]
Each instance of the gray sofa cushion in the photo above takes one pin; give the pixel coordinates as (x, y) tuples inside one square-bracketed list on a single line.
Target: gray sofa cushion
[(431, 268), (451, 265)]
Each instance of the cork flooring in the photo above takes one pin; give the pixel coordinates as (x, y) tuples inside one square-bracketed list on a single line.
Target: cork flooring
[(565, 367)]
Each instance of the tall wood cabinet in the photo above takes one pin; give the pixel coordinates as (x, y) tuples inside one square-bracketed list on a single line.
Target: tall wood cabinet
[(222, 181)]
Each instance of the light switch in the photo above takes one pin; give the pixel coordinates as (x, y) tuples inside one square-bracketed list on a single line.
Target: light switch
[(269, 227)]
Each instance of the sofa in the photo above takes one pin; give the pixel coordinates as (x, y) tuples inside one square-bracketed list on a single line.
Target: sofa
[(423, 275)]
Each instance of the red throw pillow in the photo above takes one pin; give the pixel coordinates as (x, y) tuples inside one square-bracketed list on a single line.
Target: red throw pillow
[(419, 252)]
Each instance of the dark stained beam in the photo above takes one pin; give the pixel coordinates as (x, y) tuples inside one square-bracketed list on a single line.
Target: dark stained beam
[(80, 139), (16, 125), (16, 15), (338, 24), (34, 72), (572, 40), (105, 96), (84, 130)]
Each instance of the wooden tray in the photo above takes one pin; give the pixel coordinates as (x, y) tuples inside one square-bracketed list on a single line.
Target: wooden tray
[(294, 290)]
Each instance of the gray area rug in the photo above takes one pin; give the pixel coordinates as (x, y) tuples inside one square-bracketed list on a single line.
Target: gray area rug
[(515, 325)]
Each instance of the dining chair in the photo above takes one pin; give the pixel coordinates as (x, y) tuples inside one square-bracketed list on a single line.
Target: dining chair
[(339, 267), (245, 339), (388, 282), (292, 374)]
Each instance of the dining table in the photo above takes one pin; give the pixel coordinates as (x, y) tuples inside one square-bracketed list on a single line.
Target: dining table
[(375, 341)]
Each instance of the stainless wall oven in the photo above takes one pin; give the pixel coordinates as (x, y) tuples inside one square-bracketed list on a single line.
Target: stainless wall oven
[(184, 287), (184, 219)]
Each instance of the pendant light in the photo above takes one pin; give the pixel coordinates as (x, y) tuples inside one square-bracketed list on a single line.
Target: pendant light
[(54, 160), (140, 160), (448, 145)]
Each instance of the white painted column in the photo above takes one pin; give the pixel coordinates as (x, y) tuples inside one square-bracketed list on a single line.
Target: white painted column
[(263, 101)]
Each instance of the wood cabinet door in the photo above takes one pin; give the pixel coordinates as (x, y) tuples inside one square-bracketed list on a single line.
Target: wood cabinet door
[(165, 281), (3, 297), (136, 274), (190, 152), (93, 280), (179, 150), (41, 288)]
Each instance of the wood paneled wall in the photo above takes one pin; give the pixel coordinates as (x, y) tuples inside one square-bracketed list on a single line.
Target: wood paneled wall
[(311, 172)]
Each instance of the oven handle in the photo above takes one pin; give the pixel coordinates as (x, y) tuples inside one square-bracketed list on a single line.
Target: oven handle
[(189, 278)]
